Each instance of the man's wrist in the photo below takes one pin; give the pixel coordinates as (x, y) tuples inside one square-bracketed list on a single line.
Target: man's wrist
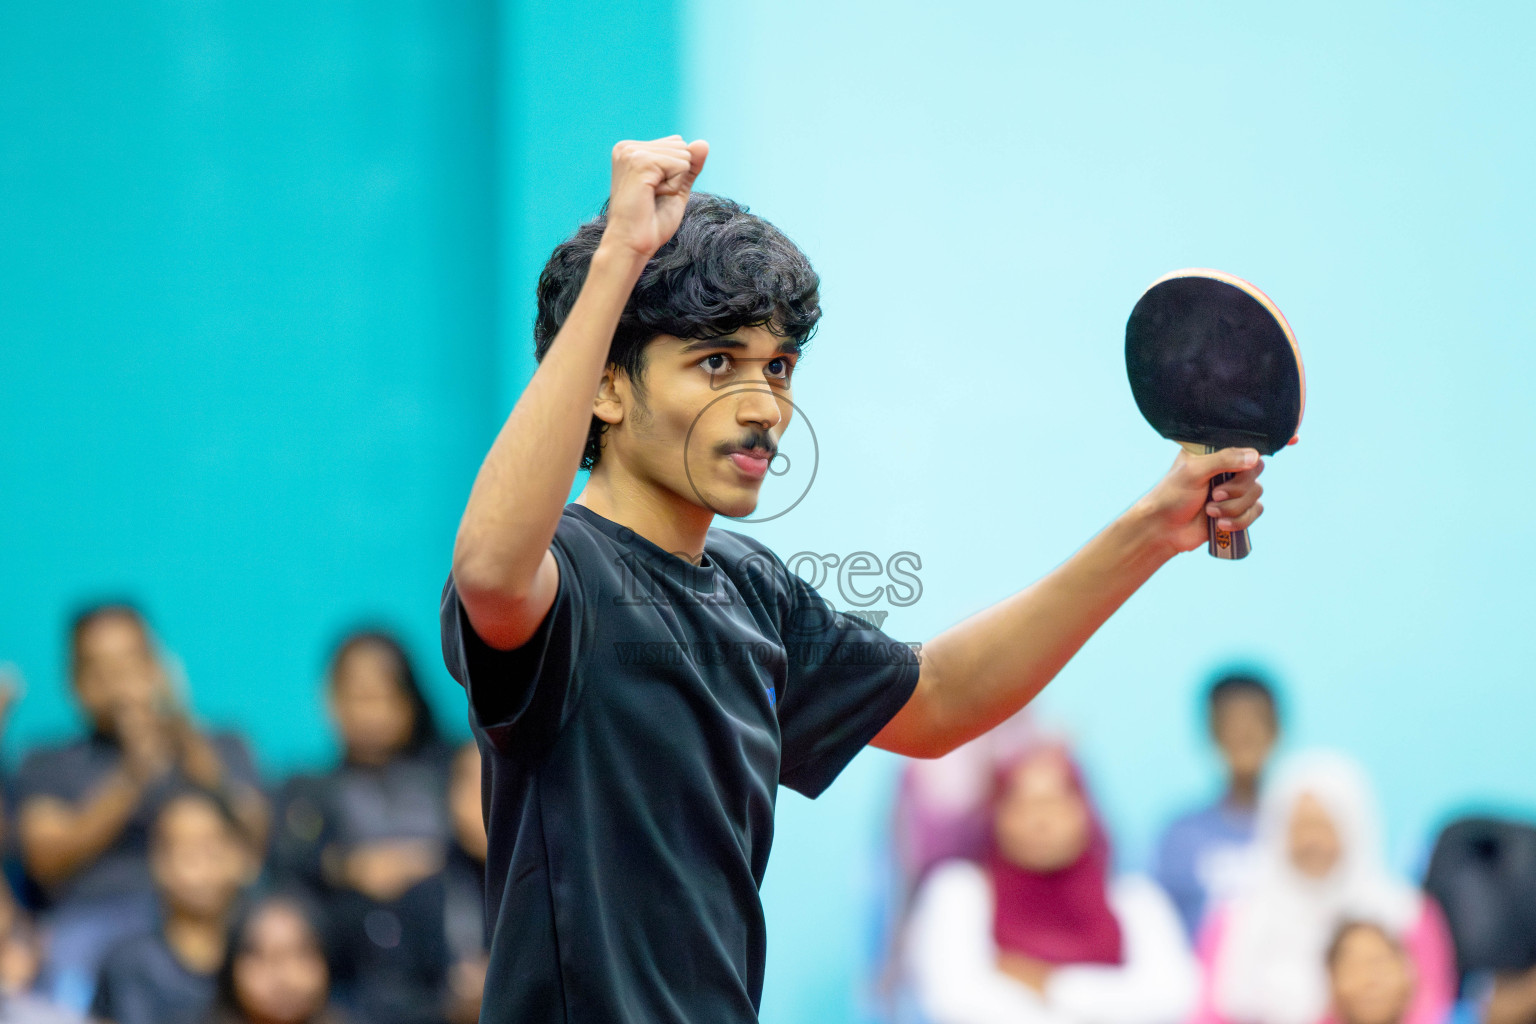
[(1148, 541), (618, 260)]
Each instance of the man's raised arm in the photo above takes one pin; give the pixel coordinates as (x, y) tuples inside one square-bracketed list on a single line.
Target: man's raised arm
[(502, 566), (977, 673)]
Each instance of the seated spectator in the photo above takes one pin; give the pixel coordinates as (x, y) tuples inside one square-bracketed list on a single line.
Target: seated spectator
[(21, 961), (1483, 873), (275, 969), (1317, 865), (942, 810), (468, 943), (201, 859), (1038, 932), (370, 838), (1369, 976), (1201, 856), (85, 807)]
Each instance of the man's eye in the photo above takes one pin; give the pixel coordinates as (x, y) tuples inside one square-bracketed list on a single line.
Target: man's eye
[(779, 368), (709, 363)]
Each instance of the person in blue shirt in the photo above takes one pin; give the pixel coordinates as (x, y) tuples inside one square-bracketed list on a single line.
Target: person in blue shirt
[(1200, 857)]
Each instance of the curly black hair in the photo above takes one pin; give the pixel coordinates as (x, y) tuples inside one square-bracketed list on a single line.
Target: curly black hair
[(723, 270)]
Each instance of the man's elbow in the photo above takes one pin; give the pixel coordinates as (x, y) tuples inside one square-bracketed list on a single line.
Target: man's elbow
[(919, 729), (502, 613)]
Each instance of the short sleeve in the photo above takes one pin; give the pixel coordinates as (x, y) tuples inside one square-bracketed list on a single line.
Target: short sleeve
[(43, 774), (845, 679), (520, 698)]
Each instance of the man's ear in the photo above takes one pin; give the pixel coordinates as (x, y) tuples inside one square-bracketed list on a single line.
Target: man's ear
[(608, 403)]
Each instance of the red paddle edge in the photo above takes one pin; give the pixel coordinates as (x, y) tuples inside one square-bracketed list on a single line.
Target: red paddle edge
[(1267, 303)]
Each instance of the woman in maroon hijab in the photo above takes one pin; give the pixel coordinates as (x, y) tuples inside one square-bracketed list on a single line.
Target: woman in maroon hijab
[(1038, 932)]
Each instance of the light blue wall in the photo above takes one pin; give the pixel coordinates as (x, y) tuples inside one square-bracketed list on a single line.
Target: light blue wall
[(986, 188)]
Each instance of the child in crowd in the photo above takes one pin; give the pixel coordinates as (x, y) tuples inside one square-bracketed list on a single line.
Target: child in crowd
[(1201, 857), (1369, 976), (1317, 864), (370, 839), (85, 808), (275, 968), (1038, 932), (464, 879), (201, 860)]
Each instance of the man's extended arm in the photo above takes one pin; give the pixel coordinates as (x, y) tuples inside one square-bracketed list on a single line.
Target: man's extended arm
[(502, 566), (984, 669)]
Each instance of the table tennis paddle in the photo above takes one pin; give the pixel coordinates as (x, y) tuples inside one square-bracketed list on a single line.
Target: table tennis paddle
[(1213, 364)]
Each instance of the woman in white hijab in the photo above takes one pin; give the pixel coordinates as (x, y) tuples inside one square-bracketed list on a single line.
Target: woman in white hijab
[(1317, 863)]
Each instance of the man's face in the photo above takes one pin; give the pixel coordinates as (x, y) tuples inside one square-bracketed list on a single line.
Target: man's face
[(1243, 725), (115, 669), (700, 405)]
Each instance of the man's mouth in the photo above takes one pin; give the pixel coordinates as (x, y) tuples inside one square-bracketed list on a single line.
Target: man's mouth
[(752, 462)]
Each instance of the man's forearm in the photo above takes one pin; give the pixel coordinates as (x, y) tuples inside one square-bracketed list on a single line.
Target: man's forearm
[(58, 839), (523, 483), (982, 670)]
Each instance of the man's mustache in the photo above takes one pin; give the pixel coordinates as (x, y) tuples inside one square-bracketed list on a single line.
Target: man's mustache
[(755, 439)]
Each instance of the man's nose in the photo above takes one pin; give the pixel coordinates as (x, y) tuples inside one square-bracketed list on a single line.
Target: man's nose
[(756, 403)]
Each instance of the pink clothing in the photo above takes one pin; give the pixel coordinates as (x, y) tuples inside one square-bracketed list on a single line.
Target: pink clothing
[(1428, 944)]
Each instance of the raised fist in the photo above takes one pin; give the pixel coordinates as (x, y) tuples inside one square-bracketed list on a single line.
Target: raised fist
[(651, 182)]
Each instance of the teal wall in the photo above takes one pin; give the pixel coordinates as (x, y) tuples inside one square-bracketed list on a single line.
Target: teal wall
[(986, 188), (577, 78)]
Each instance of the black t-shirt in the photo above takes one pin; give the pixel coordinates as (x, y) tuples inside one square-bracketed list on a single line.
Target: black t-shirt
[(632, 750), (142, 982)]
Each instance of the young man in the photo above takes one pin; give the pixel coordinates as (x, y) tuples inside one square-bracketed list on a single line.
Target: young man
[(1200, 858), (640, 684)]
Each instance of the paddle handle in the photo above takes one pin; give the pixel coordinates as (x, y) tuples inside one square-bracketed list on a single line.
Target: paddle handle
[(1228, 544)]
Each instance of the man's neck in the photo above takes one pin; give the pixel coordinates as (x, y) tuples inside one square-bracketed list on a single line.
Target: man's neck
[(661, 517), (1243, 793), (197, 942)]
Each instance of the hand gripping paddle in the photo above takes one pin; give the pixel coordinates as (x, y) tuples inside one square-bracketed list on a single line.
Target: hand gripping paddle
[(1213, 364)]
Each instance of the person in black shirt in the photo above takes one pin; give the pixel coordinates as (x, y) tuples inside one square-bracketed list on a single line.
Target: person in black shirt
[(640, 684), (369, 839), (201, 858), (85, 808)]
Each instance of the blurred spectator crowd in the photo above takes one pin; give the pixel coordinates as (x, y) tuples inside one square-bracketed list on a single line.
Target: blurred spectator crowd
[(1272, 905), (155, 880)]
